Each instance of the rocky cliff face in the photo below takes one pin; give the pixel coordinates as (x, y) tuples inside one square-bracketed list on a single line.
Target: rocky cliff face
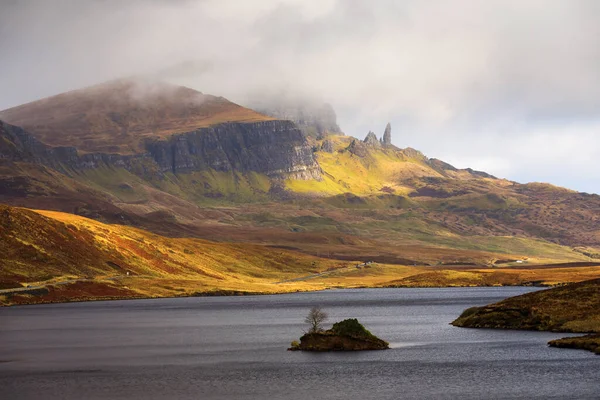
[(18, 145), (371, 140), (386, 139), (274, 148)]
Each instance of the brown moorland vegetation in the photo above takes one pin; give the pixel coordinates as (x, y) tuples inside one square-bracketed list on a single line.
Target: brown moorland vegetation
[(571, 308), (49, 256), (115, 117)]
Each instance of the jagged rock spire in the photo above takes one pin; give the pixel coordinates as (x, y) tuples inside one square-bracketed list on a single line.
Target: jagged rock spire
[(386, 140), (371, 140)]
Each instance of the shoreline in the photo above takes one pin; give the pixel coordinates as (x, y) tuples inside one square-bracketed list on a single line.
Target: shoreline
[(237, 293)]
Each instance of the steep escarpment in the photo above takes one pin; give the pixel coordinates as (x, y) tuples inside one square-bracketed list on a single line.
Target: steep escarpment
[(275, 148)]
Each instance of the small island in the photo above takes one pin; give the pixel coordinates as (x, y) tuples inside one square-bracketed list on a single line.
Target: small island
[(346, 335)]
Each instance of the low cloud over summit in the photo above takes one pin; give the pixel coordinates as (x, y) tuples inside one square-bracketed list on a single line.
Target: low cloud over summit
[(509, 87)]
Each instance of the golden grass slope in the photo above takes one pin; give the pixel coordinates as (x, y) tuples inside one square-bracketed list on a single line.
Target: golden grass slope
[(64, 257), (36, 247), (115, 117), (345, 172)]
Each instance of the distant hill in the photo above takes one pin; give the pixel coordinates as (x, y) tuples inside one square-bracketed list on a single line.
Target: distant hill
[(364, 174), (116, 117)]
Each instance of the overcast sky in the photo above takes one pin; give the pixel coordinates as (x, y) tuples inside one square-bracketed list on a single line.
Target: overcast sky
[(508, 87)]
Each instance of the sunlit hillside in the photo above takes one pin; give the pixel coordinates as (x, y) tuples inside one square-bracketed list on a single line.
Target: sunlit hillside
[(41, 247), (51, 256)]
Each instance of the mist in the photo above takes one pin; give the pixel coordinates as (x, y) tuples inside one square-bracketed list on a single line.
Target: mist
[(508, 87)]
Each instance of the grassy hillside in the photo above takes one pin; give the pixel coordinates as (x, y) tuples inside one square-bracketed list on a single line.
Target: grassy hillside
[(374, 172), (444, 216), (46, 247), (52, 256), (463, 202)]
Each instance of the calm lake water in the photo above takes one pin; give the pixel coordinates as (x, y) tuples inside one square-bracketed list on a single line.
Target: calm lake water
[(235, 348)]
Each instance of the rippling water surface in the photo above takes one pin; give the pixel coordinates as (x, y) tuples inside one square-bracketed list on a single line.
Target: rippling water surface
[(235, 348)]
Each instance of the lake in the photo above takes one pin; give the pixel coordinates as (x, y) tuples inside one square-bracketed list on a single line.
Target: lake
[(235, 348)]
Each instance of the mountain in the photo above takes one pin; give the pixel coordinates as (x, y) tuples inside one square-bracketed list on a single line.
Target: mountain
[(261, 180), (118, 116), (365, 174), (150, 134)]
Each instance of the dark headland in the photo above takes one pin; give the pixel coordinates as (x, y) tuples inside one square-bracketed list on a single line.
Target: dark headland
[(573, 308)]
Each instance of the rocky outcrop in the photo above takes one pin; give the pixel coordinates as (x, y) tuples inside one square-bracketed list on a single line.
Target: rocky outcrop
[(275, 148), (386, 139), (371, 140), (327, 146), (357, 148), (18, 145)]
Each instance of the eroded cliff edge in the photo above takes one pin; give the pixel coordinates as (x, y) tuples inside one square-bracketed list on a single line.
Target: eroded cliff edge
[(274, 148)]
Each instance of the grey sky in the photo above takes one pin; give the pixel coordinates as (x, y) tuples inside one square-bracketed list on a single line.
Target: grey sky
[(509, 87)]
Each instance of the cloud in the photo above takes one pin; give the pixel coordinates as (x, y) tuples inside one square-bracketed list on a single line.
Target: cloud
[(507, 86)]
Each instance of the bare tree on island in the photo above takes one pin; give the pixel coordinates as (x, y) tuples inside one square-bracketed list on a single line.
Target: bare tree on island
[(315, 318)]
